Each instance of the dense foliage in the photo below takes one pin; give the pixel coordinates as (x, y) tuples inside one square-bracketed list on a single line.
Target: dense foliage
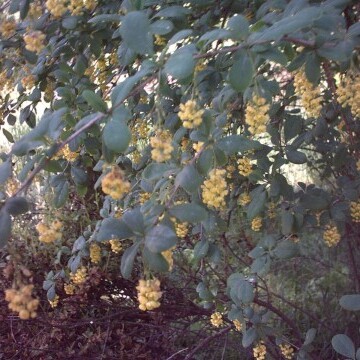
[(187, 181)]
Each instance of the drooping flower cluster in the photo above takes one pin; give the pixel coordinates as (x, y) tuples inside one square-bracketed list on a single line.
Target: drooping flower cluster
[(79, 277), (161, 144), (310, 94), (66, 153), (48, 233), (271, 210), (56, 8), (28, 82), (95, 253), (190, 115), (35, 10), (54, 302), (256, 223), (355, 211), (22, 301), (215, 189), (244, 199), (349, 93), (216, 319), (143, 197), (256, 115), (331, 235), (34, 41), (168, 255), (76, 7), (149, 294), (259, 351), (160, 40), (7, 28), (197, 146), (244, 166), (287, 351), (237, 324), (114, 184), (116, 246), (69, 289), (181, 228)]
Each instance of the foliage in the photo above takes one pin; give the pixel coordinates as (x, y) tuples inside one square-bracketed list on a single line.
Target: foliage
[(162, 140)]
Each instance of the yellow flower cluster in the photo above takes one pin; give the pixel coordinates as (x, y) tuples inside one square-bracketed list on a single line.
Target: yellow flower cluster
[(355, 211), (349, 93), (189, 115), (200, 66), (56, 8), (95, 253), (11, 186), (49, 92), (49, 233), (35, 10), (259, 351), (272, 210), (76, 7), (287, 351), (149, 294), (256, 115), (216, 319), (7, 28), (256, 223), (141, 128), (34, 41), (197, 146), (309, 94), (28, 82), (22, 302), (90, 4), (160, 40), (244, 166), (237, 324), (116, 246), (244, 199), (168, 255), (114, 184), (331, 235), (54, 302), (80, 276), (161, 144), (143, 197), (230, 169), (181, 229), (215, 189), (69, 289)]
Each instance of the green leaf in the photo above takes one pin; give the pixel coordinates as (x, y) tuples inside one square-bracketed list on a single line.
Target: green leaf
[(94, 100), (136, 32), (310, 336), (286, 250), (343, 345), (257, 204), (5, 171), (61, 194), (8, 136), (249, 336), (239, 27), (201, 249), (241, 73), (296, 157), (156, 171), (237, 143), (127, 260), (161, 27), (173, 11), (205, 161), (287, 222), (192, 213), (111, 228), (292, 127), (116, 136), (350, 302), (181, 63), (182, 34), (134, 220), (16, 206), (5, 227), (160, 238), (70, 22), (312, 68), (155, 261), (104, 18), (188, 178)]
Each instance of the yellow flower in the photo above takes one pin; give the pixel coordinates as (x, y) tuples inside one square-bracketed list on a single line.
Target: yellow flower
[(7, 28), (161, 144), (189, 115), (54, 302), (168, 255), (76, 7), (56, 8), (114, 184), (79, 277), (259, 351), (331, 235), (49, 233), (309, 94), (160, 40), (244, 166), (244, 199), (355, 211), (216, 319), (34, 41), (116, 246), (287, 351), (95, 253), (69, 289), (237, 324), (256, 223), (256, 115), (149, 294), (349, 92), (214, 189)]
